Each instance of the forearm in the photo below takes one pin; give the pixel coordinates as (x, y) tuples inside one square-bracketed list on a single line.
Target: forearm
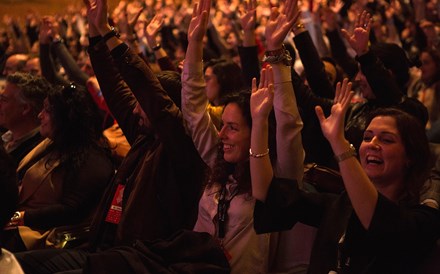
[(363, 195), (290, 154), (260, 166), (71, 67), (194, 109)]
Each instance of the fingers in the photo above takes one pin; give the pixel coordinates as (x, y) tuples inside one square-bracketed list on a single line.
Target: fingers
[(254, 85), (343, 94), (345, 34), (337, 93), (262, 78), (319, 114), (269, 76), (347, 93), (194, 14)]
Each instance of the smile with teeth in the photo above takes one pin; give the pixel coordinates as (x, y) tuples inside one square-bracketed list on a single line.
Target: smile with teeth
[(374, 160), (227, 147)]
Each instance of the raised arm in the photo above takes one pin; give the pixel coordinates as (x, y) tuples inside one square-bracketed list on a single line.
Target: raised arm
[(250, 64), (194, 99), (45, 37), (261, 105), (313, 66), (363, 195), (385, 88), (290, 155)]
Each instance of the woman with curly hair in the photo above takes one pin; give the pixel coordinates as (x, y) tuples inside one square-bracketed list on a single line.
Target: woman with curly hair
[(61, 178)]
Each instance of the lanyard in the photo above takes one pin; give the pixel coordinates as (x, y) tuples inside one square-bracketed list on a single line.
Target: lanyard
[(222, 209)]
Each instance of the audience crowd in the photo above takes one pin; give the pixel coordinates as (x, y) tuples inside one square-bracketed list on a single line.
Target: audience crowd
[(229, 136)]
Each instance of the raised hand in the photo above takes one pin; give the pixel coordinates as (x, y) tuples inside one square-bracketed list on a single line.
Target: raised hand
[(248, 15), (358, 40), (262, 97), (45, 35), (199, 21), (97, 13), (333, 126), (153, 28), (280, 23)]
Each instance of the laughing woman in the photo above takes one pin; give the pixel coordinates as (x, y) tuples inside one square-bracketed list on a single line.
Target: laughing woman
[(62, 178), (377, 225)]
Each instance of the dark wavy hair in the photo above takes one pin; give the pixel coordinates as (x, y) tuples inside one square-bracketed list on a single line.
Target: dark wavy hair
[(229, 75), (77, 124), (414, 139), (240, 171), (33, 90)]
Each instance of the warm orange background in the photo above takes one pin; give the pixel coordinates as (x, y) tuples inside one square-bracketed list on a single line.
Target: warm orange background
[(19, 8)]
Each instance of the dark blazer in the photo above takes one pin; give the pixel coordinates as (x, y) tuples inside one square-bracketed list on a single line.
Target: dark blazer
[(23, 149), (163, 173), (397, 241), (54, 195)]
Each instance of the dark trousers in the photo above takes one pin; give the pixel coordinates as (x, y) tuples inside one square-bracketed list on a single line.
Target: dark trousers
[(49, 261)]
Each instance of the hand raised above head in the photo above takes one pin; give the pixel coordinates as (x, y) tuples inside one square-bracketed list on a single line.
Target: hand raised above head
[(199, 21), (358, 40), (262, 97), (333, 126), (248, 15), (280, 23), (97, 14)]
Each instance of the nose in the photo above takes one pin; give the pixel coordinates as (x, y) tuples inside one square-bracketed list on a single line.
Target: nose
[(375, 144), (222, 133), (40, 115)]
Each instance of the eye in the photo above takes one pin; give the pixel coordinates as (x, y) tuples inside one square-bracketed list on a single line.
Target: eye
[(387, 140), (367, 137), (232, 127)]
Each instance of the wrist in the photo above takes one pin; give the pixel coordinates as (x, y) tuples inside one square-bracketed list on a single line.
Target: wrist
[(105, 29), (343, 151), (110, 34)]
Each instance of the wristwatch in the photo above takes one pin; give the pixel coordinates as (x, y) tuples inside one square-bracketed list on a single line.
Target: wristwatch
[(351, 152)]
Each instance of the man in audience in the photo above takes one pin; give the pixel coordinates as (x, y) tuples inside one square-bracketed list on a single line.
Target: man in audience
[(15, 63), (20, 103)]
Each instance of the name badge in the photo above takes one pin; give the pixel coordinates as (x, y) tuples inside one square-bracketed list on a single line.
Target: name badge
[(115, 211)]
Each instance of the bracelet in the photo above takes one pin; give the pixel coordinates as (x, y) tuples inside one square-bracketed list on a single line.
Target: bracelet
[(112, 33), (251, 154), (351, 152), (275, 52), (283, 56), (157, 47)]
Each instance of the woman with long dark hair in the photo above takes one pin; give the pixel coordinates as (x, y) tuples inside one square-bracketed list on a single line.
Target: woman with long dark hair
[(62, 178), (378, 224)]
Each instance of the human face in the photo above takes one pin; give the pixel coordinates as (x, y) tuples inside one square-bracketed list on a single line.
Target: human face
[(235, 135), (12, 63), (46, 120), (382, 152), (212, 86), (33, 66), (428, 67), (12, 109), (364, 86)]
